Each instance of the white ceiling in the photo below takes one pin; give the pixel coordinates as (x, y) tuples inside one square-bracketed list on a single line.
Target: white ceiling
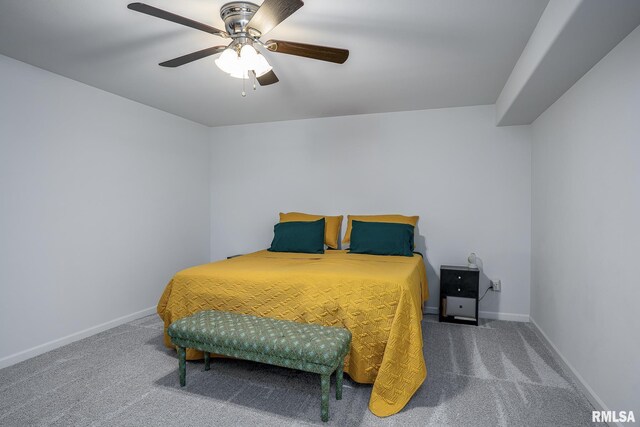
[(405, 55)]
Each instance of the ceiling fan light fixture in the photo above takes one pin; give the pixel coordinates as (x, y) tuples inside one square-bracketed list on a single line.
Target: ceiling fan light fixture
[(239, 65)]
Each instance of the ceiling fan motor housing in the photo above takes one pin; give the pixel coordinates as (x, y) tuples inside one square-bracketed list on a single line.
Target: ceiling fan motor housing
[(236, 16)]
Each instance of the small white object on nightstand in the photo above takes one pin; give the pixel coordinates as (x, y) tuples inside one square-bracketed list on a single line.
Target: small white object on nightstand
[(472, 260)]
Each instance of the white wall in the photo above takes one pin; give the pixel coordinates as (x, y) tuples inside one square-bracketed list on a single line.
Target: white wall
[(468, 180), (102, 200), (585, 290)]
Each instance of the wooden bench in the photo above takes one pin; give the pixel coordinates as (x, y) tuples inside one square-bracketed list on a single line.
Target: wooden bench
[(306, 347)]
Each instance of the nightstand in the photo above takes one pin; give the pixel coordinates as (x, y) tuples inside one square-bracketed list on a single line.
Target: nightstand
[(459, 294)]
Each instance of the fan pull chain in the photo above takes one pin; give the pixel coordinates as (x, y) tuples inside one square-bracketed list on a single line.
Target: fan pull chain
[(243, 91), (253, 78)]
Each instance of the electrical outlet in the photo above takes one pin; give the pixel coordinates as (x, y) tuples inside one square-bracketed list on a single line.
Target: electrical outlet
[(496, 285)]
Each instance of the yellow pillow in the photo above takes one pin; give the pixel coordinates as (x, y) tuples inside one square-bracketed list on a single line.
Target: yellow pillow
[(331, 226), (400, 219)]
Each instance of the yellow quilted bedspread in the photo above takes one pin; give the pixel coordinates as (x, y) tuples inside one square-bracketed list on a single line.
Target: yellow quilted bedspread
[(378, 298)]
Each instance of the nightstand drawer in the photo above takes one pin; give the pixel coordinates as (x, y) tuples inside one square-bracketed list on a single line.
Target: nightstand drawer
[(460, 283), (463, 307)]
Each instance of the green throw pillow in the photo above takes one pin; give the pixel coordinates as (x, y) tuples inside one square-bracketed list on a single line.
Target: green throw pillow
[(381, 238), (299, 236)]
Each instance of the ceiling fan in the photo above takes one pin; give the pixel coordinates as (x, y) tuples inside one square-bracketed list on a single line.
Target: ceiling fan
[(245, 24)]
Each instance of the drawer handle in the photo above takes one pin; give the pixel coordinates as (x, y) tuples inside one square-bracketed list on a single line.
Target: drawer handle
[(459, 277), (458, 289)]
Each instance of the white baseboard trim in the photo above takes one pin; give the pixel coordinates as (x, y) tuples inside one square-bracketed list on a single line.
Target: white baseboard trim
[(584, 387), (515, 317), (51, 345)]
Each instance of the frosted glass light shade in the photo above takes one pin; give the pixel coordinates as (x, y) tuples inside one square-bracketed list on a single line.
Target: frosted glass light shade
[(228, 61), (261, 67), (248, 56)]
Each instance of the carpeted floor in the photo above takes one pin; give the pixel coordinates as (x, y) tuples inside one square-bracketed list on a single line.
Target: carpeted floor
[(500, 373)]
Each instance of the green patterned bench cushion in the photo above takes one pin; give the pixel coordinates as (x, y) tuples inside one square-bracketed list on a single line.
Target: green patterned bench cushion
[(303, 346)]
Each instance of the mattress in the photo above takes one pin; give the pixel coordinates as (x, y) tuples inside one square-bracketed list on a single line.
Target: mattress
[(378, 298)]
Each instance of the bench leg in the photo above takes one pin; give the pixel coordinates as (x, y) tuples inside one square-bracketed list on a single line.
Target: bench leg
[(339, 375), (325, 382), (207, 361), (182, 365)]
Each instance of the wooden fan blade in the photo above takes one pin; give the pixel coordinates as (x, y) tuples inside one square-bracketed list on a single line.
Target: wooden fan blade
[(323, 53), (270, 14), (185, 59), (163, 14), (268, 79)]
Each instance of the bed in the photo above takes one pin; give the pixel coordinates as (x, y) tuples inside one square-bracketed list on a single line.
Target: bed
[(378, 298)]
